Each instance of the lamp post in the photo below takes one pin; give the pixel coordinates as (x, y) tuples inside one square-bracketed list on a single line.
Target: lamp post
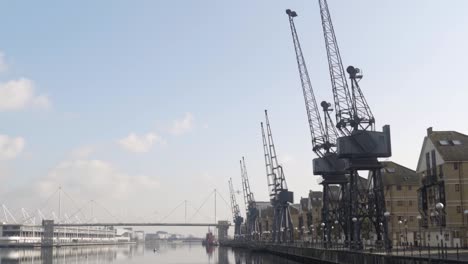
[(419, 217), (297, 233), (337, 232), (324, 237), (465, 213), (399, 231), (406, 231), (281, 233), (314, 235), (354, 237), (439, 208), (387, 242), (332, 234), (303, 233), (311, 227)]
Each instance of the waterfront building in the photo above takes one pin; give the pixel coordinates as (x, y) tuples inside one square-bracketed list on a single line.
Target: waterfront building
[(400, 190), (140, 236), (443, 195), (125, 234), (266, 215), (316, 205), (265, 218), (23, 235)]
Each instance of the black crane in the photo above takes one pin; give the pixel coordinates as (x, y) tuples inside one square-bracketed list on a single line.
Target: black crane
[(324, 137), (280, 197), (252, 224), (360, 145), (236, 216)]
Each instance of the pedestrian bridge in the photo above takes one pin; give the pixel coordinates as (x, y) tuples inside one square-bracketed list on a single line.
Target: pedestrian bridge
[(219, 224)]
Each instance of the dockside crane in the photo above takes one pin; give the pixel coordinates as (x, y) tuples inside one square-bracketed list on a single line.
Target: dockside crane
[(280, 197), (252, 223), (236, 216), (360, 145), (323, 137)]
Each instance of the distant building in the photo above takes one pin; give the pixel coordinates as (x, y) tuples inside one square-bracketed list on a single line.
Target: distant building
[(140, 236), (400, 190), (151, 237), (316, 205), (266, 214), (265, 217), (443, 168), (159, 235), (124, 234)]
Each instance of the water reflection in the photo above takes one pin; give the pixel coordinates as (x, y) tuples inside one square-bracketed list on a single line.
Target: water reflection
[(138, 254), (223, 255), (248, 257), (63, 255)]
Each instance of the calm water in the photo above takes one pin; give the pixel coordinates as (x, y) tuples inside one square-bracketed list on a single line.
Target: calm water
[(139, 254)]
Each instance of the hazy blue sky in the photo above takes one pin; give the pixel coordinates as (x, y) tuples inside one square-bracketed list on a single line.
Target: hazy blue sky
[(140, 105)]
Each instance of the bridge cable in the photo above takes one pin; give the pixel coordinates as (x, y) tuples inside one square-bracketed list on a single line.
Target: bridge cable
[(227, 204), (164, 218), (204, 216), (211, 193), (43, 205), (80, 209), (107, 211), (73, 201)]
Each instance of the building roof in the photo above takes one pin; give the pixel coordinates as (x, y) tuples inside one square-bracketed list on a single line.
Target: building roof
[(315, 198), (262, 205), (451, 145), (396, 174)]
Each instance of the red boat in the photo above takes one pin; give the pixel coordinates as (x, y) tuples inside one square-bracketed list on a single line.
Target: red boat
[(209, 240)]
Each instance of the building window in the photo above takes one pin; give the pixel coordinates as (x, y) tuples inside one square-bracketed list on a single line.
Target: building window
[(458, 209), (455, 166), (410, 203), (447, 237), (441, 171), (389, 188), (457, 187), (410, 188), (400, 203), (389, 203), (398, 187), (456, 142), (411, 218), (444, 142)]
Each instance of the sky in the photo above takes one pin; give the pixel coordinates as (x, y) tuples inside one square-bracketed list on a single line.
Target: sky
[(141, 105)]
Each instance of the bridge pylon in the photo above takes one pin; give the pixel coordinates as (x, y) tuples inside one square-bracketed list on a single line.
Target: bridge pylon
[(223, 227)]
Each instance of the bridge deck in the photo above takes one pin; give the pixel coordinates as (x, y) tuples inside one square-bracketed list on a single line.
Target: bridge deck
[(141, 224)]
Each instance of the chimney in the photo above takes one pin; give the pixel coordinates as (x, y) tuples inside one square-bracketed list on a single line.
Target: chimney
[(429, 131)]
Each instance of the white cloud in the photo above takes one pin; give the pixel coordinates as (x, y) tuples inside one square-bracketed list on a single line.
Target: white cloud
[(3, 64), (94, 179), (183, 125), (10, 147), (20, 94), (140, 144)]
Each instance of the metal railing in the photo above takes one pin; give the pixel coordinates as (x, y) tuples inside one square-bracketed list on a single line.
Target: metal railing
[(413, 251)]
